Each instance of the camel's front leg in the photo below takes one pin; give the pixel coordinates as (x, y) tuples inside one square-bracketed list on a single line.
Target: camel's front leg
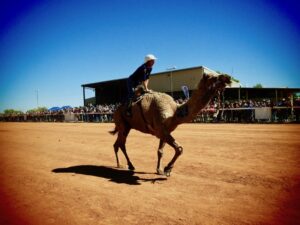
[(160, 152), (178, 151)]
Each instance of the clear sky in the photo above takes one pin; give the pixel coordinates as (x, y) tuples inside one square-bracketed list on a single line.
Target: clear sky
[(55, 46)]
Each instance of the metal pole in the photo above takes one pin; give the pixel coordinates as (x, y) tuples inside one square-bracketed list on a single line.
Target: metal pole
[(171, 84), (171, 78), (83, 89), (37, 97), (292, 105), (276, 97)]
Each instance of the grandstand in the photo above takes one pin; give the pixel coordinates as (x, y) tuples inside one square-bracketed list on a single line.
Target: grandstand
[(170, 82)]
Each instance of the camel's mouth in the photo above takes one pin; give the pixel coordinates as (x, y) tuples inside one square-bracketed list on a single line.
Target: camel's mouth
[(221, 82), (215, 83)]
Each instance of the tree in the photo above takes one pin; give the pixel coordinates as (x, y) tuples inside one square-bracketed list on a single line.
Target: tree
[(258, 85), (39, 109), (12, 111), (234, 79)]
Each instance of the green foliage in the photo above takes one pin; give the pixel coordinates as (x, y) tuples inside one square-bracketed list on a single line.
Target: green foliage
[(296, 95), (15, 112), (42, 109), (234, 79), (258, 85), (35, 110), (12, 111)]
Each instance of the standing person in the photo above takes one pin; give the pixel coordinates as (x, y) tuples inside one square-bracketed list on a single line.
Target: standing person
[(139, 77)]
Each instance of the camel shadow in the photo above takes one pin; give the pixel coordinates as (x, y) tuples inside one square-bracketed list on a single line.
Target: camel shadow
[(112, 174)]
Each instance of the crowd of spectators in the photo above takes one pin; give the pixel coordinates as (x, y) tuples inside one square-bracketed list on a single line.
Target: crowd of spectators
[(244, 111), (90, 113), (97, 113), (216, 111)]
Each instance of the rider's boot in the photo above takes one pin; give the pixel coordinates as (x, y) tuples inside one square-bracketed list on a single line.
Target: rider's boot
[(128, 108)]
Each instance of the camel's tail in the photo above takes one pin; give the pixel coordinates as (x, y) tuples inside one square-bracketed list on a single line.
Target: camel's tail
[(113, 132)]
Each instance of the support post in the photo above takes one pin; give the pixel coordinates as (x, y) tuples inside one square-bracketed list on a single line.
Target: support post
[(83, 89), (171, 76), (276, 97), (292, 105)]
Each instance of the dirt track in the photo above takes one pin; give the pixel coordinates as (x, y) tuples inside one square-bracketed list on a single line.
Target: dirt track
[(59, 173)]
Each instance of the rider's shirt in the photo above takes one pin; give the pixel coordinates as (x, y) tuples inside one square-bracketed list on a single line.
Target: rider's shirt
[(141, 74)]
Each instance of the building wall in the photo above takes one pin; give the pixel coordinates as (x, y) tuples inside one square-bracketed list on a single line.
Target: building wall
[(174, 80)]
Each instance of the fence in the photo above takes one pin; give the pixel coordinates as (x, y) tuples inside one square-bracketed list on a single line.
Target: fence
[(60, 117), (250, 115), (227, 115)]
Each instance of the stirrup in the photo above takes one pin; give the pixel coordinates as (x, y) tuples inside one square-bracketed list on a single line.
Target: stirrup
[(138, 98)]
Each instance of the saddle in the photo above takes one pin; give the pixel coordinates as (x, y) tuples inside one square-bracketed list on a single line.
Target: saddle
[(139, 93)]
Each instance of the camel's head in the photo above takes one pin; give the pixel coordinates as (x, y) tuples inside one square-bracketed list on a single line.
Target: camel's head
[(214, 83)]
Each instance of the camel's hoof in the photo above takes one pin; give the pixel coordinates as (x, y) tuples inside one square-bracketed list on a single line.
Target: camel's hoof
[(122, 167), (160, 172), (131, 167), (167, 171)]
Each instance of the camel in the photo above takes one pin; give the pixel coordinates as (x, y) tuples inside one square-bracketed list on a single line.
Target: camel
[(158, 114)]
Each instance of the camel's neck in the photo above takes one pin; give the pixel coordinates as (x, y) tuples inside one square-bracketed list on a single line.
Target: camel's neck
[(189, 110)]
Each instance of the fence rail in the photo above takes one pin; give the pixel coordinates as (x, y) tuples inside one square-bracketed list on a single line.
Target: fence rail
[(229, 115)]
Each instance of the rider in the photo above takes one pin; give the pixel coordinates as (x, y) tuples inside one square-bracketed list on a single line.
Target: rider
[(139, 77)]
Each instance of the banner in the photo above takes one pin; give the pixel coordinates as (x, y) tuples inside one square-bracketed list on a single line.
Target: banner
[(185, 90), (264, 113), (70, 117)]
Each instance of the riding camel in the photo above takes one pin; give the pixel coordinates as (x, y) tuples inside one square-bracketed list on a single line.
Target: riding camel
[(158, 114)]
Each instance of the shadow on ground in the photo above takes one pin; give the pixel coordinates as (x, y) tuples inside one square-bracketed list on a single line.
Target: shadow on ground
[(112, 174)]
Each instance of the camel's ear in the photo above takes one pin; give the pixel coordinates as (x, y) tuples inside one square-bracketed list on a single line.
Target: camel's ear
[(205, 76), (225, 78)]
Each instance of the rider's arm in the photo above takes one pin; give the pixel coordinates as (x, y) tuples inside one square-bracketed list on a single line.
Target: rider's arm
[(145, 83)]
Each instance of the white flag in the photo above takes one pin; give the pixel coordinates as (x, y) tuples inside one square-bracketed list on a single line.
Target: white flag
[(185, 90)]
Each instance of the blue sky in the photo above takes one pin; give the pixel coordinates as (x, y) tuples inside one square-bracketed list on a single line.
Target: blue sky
[(55, 46)]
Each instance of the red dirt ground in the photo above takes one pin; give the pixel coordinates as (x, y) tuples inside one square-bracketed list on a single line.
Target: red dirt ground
[(64, 173)]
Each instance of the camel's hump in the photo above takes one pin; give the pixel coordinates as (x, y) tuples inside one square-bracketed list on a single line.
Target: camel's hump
[(158, 98), (160, 103)]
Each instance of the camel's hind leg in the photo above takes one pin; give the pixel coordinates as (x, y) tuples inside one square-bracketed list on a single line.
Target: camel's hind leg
[(120, 143), (130, 166), (116, 148), (178, 151), (160, 152)]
